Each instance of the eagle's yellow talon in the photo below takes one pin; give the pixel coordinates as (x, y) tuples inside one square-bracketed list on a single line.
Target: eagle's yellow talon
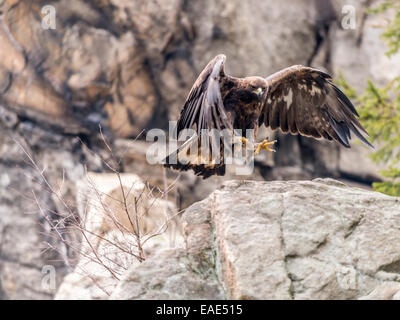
[(265, 145), (241, 140), (244, 140)]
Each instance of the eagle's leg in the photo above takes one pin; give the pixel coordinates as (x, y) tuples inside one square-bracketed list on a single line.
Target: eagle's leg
[(264, 145), (244, 142)]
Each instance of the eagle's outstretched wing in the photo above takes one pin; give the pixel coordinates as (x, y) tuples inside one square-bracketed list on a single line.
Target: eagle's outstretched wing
[(205, 109), (204, 106), (303, 100)]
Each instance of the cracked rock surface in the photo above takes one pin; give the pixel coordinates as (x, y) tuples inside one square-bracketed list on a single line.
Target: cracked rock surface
[(315, 239)]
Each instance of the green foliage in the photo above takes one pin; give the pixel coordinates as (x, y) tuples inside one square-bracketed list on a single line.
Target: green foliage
[(380, 113), (392, 32), (380, 110), (387, 187)]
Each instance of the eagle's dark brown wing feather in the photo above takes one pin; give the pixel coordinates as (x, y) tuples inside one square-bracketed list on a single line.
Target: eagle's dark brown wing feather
[(302, 100), (204, 106), (205, 109)]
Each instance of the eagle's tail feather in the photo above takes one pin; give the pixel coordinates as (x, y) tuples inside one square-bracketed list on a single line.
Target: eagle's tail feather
[(183, 160)]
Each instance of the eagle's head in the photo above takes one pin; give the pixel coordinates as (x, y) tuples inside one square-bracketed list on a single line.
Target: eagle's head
[(257, 85)]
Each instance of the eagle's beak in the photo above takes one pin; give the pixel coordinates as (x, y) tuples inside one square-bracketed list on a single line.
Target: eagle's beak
[(258, 92)]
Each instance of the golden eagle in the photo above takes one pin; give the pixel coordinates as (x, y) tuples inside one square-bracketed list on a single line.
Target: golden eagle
[(298, 99)]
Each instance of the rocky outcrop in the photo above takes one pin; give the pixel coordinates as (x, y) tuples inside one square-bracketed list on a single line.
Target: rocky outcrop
[(135, 61), (279, 240), (386, 291), (24, 234), (109, 245), (169, 274)]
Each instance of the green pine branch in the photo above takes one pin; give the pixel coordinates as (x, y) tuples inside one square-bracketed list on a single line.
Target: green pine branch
[(380, 109)]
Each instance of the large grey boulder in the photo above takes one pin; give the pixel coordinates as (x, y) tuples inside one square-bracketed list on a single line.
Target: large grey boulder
[(385, 291), (315, 239)]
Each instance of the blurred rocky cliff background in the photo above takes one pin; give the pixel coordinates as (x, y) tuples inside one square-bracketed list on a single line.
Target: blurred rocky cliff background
[(128, 66)]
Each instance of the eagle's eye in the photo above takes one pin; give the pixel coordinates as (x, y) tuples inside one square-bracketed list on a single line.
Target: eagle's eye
[(258, 92)]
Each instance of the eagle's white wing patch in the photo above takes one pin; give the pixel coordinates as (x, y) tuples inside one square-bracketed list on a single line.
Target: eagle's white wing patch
[(288, 98)]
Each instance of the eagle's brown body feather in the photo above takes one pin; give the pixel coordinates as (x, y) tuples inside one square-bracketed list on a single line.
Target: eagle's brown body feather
[(241, 105)]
